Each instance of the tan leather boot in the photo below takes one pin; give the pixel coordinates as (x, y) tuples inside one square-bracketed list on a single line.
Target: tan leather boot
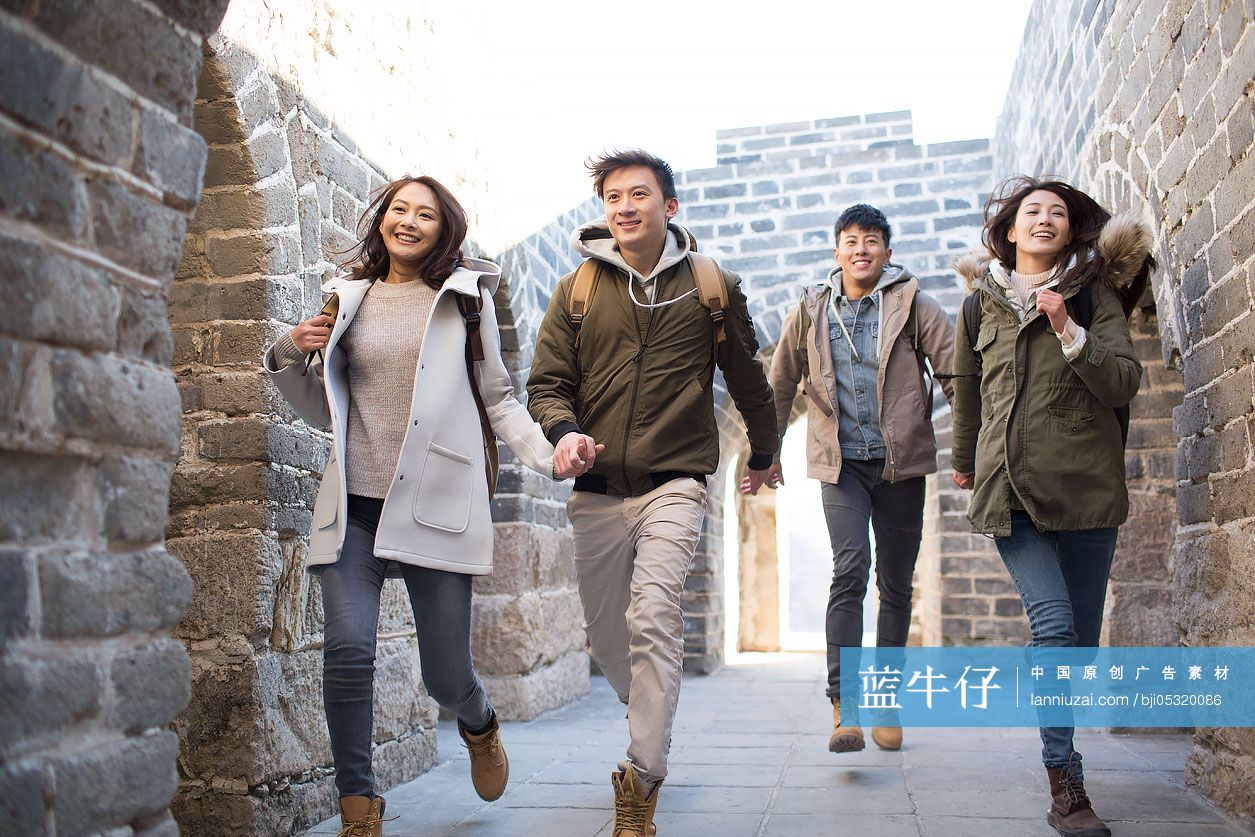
[(845, 739), (361, 816), (633, 808), (490, 769), (1071, 813), (887, 738)]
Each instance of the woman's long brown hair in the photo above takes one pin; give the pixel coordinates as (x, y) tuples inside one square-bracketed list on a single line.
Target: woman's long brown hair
[(1086, 219), (369, 257)]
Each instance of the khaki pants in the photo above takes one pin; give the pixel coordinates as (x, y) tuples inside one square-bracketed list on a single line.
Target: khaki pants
[(631, 558)]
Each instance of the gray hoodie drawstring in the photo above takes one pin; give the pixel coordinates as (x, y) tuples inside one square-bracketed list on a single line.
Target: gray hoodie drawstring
[(848, 339)]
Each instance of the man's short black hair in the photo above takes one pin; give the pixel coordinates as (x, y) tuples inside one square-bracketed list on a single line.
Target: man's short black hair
[(864, 216), (601, 167)]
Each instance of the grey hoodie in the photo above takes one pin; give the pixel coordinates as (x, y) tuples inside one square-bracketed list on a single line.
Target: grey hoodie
[(595, 241)]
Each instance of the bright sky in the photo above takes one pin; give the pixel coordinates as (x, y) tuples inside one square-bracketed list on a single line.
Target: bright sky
[(544, 85)]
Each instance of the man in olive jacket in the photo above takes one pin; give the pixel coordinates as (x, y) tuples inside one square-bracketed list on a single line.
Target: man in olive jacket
[(638, 377), (858, 343)]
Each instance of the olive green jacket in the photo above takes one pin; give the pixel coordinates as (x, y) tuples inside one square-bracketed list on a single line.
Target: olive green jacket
[(1039, 431), (642, 380)]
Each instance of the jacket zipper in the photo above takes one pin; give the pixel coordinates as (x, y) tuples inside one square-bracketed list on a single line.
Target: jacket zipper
[(1021, 382), (637, 360)]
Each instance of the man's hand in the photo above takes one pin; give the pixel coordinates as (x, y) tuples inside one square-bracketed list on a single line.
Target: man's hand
[(964, 481), (313, 333), (772, 476), (1051, 304), (574, 454)]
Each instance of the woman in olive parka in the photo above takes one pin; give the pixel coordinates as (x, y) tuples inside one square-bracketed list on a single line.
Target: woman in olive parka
[(1044, 372)]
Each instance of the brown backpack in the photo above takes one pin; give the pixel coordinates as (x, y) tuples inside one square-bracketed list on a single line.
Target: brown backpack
[(712, 292)]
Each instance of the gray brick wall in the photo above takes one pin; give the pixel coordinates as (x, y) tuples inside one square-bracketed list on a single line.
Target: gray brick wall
[(1150, 110), (99, 172)]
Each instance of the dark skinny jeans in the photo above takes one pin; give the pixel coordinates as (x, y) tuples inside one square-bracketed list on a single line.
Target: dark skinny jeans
[(442, 615), (895, 511)]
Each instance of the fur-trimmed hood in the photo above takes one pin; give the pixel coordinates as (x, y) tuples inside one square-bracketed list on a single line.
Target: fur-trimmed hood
[(1125, 244)]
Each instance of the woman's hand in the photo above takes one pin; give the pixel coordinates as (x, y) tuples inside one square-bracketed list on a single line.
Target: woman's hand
[(313, 334), (964, 481), (1051, 304)]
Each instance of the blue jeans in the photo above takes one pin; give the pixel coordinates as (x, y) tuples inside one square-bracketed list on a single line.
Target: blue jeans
[(442, 614), (1062, 579)]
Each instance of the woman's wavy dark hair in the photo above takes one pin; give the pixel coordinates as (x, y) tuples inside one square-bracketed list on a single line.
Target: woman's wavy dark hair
[(1086, 219), (369, 257)]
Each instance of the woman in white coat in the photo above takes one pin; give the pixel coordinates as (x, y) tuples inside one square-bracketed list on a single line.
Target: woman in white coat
[(404, 491)]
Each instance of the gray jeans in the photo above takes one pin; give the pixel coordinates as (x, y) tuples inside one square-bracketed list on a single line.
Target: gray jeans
[(442, 614), (896, 512)]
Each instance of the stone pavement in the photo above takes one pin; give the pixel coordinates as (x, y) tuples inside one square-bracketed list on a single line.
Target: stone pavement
[(750, 757)]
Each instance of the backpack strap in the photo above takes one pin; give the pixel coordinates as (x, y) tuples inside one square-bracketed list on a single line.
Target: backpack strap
[(971, 321), (803, 326), (712, 292), (469, 306), (925, 376), (580, 294)]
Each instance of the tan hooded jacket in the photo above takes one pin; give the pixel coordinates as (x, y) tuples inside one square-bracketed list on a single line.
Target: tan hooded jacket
[(904, 422)]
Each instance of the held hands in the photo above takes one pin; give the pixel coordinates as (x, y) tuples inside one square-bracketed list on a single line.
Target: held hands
[(574, 454), (964, 481), (771, 476), (313, 334), (1051, 304)]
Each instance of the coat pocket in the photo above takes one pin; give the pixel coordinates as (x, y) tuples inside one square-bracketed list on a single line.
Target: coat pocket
[(1070, 419), (443, 497), (327, 504)]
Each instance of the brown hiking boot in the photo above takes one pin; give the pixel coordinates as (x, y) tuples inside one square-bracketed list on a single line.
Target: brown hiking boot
[(844, 739), (361, 816), (633, 809), (490, 769), (1070, 811), (887, 738)]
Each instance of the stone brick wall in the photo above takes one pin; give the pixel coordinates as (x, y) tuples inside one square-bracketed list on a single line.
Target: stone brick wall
[(99, 172), (1150, 110)]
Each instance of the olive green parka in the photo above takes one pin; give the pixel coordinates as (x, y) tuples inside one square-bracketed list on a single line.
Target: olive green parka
[(641, 380), (1040, 431)]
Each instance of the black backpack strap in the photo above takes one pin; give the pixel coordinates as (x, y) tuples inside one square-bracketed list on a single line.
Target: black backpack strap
[(1081, 307), (971, 321)]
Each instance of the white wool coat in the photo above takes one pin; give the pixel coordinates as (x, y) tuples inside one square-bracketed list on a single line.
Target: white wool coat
[(436, 511)]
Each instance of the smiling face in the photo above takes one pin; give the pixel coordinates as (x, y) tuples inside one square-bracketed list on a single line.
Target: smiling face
[(861, 254), (411, 224), (636, 210), (1041, 229)]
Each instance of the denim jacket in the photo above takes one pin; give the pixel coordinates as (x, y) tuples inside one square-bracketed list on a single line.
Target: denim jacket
[(854, 336)]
